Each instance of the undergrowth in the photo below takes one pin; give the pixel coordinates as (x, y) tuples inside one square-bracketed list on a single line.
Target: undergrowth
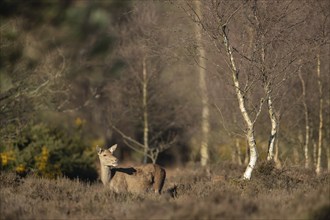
[(219, 193)]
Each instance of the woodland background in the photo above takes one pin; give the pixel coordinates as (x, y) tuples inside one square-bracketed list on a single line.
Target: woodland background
[(201, 87), (77, 74)]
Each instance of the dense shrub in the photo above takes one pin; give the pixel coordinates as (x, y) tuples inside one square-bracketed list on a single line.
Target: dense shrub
[(50, 152)]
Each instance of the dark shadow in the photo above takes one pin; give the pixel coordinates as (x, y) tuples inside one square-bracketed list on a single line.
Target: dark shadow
[(129, 171)]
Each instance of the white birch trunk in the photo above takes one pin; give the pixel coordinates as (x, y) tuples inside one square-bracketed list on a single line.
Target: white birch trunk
[(328, 156), (271, 111), (276, 156), (300, 140), (295, 156), (241, 102), (319, 147), (238, 151), (327, 143), (205, 125), (306, 143), (273, 131), (315, 153), (253, 154), (145, 110)]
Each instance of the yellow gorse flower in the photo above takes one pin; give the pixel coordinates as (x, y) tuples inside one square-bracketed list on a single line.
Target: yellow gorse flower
[(6, 157), (42, 160), (20, 168), (79, 122)]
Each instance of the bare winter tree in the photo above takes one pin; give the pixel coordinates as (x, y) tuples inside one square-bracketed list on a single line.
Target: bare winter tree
[(275, 54), (306, 113), (143, 48), (218, 19), (42, 89), (320, 141), (318, 37), (257, 40)]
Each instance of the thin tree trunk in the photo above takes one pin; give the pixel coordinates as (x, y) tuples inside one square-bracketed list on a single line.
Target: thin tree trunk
[(273, 131), (327, 134), (238, 151), (247, 154), (271, 110), (295, 156), (233, 154), (328, 156), (306, 144), (319, 155), (145, 110), (276, 156), (205, 124), (301, 141), (315, 153), (241, 102)]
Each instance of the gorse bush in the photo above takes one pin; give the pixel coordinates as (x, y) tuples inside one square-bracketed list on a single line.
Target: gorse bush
[(50, 152)]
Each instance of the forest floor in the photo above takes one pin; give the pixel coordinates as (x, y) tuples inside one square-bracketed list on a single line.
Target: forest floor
[(288, 193)]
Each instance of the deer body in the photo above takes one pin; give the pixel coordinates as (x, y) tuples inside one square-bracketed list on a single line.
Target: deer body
[(140, 179)]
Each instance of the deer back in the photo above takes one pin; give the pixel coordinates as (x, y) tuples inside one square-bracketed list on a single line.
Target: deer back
[(145, 178)]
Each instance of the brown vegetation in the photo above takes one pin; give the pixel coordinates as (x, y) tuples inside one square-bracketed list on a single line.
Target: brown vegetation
[(289, 193)]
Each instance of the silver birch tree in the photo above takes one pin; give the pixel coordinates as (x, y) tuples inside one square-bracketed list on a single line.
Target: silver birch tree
[(276, 64), (242, 106), (215, 22), (318, 37), (145, 109), (266, 83), (205, 125), (141, 48), (306, 114), (319, 146)]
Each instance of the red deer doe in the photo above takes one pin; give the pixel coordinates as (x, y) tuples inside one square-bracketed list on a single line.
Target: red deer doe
[(140, 179)]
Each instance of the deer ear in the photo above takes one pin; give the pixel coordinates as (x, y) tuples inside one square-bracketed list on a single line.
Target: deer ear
[(98, 149), (113, 148)]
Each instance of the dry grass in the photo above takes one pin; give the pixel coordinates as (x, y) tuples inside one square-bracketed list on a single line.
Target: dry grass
[(271, 194)]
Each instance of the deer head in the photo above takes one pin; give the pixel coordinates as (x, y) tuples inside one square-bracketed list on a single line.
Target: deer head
[(106, 156)]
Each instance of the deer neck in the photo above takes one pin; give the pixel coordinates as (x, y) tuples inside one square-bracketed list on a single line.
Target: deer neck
[(105, 174)]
